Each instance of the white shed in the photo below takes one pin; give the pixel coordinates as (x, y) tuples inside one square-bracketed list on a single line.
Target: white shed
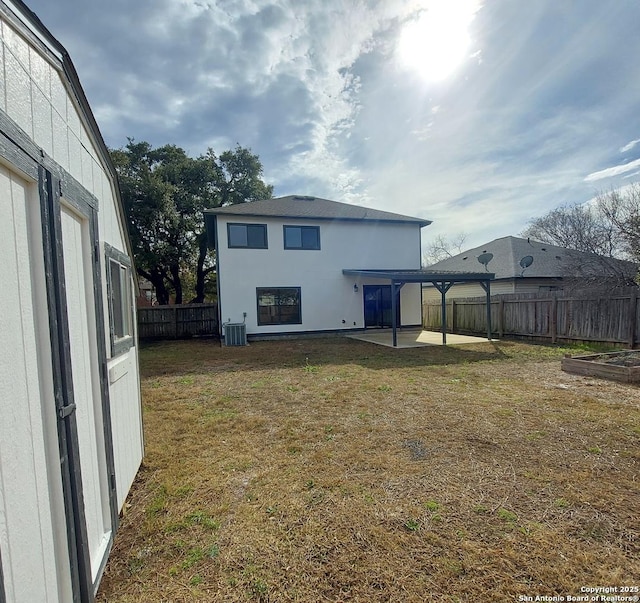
[(70, 415)]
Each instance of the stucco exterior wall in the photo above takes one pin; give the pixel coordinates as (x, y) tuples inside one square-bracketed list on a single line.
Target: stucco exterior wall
[(328, 300)]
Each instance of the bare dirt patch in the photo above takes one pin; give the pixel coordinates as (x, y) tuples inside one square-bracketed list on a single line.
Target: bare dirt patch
[(336, 470)]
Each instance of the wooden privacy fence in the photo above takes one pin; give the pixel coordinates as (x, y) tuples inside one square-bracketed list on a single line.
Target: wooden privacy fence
[(178, 322), (548, 316)]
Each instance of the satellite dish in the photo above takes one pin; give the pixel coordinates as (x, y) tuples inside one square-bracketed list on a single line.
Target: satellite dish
[(484, 259), (525, 262)]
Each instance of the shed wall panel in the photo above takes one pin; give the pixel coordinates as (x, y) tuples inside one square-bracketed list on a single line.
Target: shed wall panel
[(16, 44), (126, 421), (58, 95), (40, 71), (75, 153), (87, 169), (73, 120), (42, 121), (111, 230), (18, 90), (60, 141)]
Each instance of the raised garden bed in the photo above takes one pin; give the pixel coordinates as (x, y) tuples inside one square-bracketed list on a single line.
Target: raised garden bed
[(618, 366)]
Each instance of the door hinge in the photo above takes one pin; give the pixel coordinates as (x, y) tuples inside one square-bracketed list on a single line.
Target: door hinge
[(65, 411)]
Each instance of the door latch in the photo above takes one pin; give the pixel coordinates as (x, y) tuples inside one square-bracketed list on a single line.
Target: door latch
[(65, 411)]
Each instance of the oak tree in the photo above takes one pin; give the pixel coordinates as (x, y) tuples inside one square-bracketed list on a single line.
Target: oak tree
[(165, 193)]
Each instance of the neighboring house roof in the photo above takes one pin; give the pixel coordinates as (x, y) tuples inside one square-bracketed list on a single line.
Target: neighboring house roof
[(512, 254), (304, 207)]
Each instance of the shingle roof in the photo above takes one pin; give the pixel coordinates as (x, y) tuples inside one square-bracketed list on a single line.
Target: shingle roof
[(548, 260), (297, 206)]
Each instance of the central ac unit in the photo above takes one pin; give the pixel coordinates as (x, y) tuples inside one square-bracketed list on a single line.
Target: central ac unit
[(235, 333)]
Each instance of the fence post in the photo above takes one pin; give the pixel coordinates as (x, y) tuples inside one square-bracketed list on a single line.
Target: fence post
[(633, 312), (454, 320), (501, 317), (175, 322), (553, 319)]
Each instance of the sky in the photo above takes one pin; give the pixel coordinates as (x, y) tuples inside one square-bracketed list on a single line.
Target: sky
[(479, 115)]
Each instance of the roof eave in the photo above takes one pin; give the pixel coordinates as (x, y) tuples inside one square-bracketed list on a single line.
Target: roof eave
[(421, 276), (216, 211)]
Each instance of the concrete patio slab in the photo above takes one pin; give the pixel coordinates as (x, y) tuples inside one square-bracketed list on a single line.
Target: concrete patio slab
[(414, 338)]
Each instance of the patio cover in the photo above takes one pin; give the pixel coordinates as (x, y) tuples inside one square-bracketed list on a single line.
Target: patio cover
[(442, 281)]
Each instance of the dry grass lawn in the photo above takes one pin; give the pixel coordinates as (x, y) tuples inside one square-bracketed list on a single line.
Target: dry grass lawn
[(337, 470)]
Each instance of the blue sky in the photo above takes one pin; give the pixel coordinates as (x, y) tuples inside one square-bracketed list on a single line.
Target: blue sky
[(478, 115)]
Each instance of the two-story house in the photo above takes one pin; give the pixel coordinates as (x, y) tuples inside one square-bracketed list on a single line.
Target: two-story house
[(298, 265)]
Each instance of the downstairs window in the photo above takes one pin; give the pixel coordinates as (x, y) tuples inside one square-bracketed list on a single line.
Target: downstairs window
[(279, 305)]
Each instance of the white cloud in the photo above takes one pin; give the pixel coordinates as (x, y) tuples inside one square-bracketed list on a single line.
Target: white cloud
[(627, 147), (613, 171), (252, 51)]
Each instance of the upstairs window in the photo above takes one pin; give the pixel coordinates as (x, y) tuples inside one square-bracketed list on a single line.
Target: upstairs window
[(120, 300), (302, 237), (247, 236)]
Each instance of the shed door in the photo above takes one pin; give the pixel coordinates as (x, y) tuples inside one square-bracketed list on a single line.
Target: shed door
[(77, 252), (33, 539)]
